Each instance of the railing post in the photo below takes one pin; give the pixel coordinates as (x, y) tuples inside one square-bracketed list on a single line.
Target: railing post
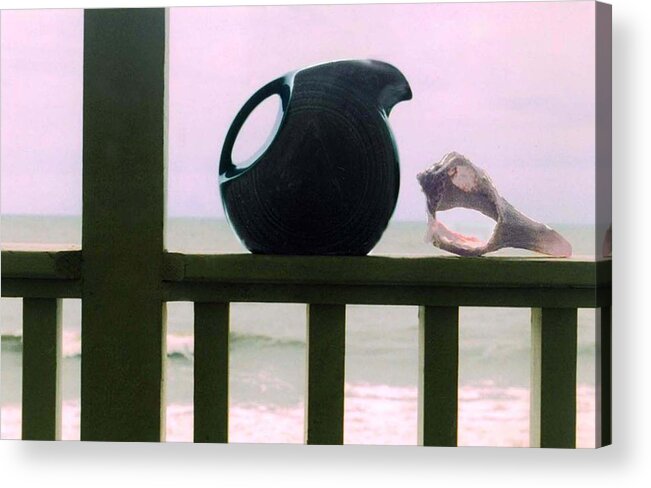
[(211, 326), (553, 377), (603, 381), (324, 403), (41, 369), (438, 376), (123, 327)]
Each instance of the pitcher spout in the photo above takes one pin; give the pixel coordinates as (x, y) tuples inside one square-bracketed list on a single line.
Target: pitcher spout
[(382, 83), (393, 87)]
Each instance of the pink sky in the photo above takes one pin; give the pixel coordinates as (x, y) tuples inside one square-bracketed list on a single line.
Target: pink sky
[(510, 85)]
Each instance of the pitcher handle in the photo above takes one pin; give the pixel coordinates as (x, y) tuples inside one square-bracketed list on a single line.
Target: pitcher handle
[(282, 88)]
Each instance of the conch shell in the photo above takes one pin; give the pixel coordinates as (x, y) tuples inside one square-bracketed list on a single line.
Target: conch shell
[(456, 182)]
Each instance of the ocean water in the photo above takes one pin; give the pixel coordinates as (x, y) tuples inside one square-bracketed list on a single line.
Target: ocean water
[(267, 344)]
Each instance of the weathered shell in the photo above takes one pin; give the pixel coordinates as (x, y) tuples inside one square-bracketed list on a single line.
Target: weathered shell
[(456, 182)]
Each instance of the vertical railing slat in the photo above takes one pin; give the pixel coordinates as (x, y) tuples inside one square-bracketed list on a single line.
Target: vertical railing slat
[(326, 344), (41, 369), (438, 376), (123, 326), (603, 421), (211, 328), (553, 377)]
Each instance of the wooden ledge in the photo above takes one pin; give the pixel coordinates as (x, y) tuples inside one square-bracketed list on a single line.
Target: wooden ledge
[(49, 265), (483, 272)]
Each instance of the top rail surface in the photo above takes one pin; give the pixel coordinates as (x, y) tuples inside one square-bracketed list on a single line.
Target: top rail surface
[(386, 270), (61, 265), (344, 270), (489, 281)]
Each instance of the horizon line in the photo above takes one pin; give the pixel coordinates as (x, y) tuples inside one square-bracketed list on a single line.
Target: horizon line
[(223, 218)]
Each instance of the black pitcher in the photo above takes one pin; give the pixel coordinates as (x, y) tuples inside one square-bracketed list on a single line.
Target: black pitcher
[(328, 180)]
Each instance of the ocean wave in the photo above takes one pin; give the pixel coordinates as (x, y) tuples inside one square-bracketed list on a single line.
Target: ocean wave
[(12, 339), (182, 346), (70, 343), (257, 340), (178, 346), (12, 336)]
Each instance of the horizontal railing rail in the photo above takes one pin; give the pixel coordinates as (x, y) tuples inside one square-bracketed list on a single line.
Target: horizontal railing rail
[(509, 282), (41, 274), (380, 280), (388, 270)]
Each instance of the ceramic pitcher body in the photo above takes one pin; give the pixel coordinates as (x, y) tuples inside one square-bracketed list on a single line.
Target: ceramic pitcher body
[(327, 183)]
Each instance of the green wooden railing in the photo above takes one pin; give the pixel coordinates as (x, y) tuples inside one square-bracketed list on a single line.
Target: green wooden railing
[(124, 277), (553, 289)]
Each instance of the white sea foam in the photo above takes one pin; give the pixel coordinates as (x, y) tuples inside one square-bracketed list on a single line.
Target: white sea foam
[(374, 414)]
